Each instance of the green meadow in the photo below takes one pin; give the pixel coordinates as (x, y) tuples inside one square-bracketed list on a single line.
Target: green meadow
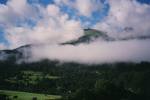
[(16, 95), (30, 77)]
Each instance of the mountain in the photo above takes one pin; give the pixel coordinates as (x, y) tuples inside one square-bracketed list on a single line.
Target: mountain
[(89, 36), (18, 53), (133, 37), (70, 80), (14, 54)]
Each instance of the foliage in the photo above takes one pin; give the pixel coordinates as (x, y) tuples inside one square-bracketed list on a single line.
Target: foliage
[(118, 81)]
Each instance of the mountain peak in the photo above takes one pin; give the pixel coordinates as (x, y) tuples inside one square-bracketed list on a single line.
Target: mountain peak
[(89, 36), (93, 32)]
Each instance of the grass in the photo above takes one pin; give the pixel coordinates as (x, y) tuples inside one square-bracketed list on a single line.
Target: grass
[(16, 95), (34, 75), (31, 77)]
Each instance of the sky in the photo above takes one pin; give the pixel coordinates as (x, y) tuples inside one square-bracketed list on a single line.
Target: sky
[(12, 13), (86, 12), (52, 22)]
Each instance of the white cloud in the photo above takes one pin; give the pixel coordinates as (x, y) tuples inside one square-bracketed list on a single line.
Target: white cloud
[(60, 2), (97, 52), (87, 7), (2, 46), (83, 7), (53, 26), (16, 11), (122, 14), (126, 13), (53, 10)]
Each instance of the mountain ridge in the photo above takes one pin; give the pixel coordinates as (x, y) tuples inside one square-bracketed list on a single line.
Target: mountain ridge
[(89, 36)]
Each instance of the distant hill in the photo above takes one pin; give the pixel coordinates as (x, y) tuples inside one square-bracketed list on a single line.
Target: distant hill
[(89, 36)]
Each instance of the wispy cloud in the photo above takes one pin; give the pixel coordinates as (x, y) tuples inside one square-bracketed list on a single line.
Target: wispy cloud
[(126, 18), (2, 46), (93, 53)]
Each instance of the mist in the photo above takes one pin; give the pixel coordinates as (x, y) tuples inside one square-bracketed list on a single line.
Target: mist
[(94, 53)]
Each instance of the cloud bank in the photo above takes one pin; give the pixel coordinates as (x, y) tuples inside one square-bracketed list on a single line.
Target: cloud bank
[(95, 53)]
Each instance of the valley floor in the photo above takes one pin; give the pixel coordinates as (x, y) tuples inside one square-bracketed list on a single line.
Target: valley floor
[(16, 95)]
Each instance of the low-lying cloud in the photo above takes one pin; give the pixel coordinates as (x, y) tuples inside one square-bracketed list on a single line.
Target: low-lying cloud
[(96, 52)]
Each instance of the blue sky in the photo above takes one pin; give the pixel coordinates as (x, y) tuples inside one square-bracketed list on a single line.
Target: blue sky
[(3, 1), (96, 16), (144, 1), (46, 2)]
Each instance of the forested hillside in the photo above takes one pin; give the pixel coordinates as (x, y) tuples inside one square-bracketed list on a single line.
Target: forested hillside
[(117, 81)]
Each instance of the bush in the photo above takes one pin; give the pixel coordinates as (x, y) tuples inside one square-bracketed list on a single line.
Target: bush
[(34, 98)]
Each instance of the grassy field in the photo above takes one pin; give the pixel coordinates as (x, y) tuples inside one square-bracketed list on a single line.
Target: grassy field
[(30, 77), (16, 95)]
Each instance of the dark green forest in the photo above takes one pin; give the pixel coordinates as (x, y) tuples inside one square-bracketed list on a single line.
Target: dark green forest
[(116, 81)]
